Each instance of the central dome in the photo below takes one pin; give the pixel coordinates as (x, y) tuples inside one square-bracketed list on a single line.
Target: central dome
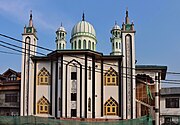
[(83, 36), (83, 28)]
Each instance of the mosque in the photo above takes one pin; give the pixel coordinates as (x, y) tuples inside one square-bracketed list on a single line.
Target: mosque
[(80, 82)]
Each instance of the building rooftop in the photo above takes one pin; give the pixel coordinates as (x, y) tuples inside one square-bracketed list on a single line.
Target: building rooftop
[(162, 69), (170, 91)]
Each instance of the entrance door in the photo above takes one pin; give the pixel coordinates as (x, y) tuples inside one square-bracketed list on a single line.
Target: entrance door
[(73, 112)]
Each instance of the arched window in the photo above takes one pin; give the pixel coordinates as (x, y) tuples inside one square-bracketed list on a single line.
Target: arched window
[(116, 45), (111, 107), (79, 44), (12, 77), (63, 46), (89, 45), (93, 48), (119, 45), (74, 44), (59, 46), (43, 106), (60, 72), (72, 47), (89, 104), (44, 77), (84, 44), (111, 77), (60, 34), (118, 34), (89, 73)]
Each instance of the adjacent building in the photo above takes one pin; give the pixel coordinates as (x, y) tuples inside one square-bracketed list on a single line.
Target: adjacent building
[(170, 106), (148, 84), (10, 93)]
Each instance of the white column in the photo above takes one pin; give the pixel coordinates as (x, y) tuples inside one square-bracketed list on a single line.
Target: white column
[(156, 100)]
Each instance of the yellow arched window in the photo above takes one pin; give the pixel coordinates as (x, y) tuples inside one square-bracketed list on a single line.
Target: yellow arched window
[(111, 107), (111, 77), (43, 106), (44, 77)]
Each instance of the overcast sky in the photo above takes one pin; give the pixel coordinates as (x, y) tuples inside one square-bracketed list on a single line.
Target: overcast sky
[(157, 25)]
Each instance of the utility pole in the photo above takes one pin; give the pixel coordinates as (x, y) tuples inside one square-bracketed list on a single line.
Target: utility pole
[(157, 99)]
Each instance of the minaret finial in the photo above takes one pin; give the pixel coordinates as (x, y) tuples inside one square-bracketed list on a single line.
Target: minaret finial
[(115, 22), (83, 17), (30, 20), (30, 14), (61, 24), (126, 11), (127, 17)]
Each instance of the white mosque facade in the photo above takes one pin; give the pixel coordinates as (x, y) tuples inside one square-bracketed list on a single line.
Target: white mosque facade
[(80, 82)]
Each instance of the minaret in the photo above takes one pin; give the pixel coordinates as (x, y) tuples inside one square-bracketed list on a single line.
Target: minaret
[(127, 17), (28, 49), (61, 38), (116, 40), (128, 52)]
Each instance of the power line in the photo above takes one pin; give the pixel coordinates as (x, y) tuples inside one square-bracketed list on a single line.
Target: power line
[(82, 65), (10, 48), (9, 37), (20, 47), (70, 55), (63, 60), (14, 49), (5, 52), (173, 73), (104, 71), (171, 82), (53, 50)]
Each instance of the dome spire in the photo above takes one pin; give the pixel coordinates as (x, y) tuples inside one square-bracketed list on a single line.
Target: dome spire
[(83, 16), (127, 17), (30, 20), (115, 22)]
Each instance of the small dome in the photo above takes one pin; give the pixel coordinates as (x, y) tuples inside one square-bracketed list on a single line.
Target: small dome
[(61, 29), (83, 28), (116, 27)]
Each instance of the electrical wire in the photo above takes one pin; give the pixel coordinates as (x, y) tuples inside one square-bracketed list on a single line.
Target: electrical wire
[(52, 50), (17, 40), (14, 49), (171, 82), (5, 52), (43, 48), (20, 47), (9, 37), (173, 73), (60, 62)]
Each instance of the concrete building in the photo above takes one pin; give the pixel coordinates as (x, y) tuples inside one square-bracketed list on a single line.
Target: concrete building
[(148, 84), (80, 82), (170, 106), (10, 93), (83, 83)]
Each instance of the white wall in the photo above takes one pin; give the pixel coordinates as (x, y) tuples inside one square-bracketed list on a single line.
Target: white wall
[(170, 112)]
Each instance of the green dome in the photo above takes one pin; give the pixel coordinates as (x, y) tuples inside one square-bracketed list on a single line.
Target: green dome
[(83, 28)]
